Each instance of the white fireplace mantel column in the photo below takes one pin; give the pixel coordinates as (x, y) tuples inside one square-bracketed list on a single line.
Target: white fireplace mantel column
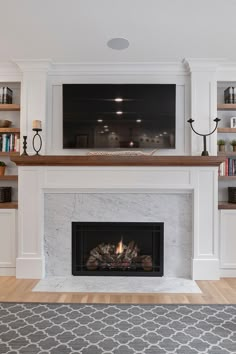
[(35, 181), (203, 74), (33, 97)]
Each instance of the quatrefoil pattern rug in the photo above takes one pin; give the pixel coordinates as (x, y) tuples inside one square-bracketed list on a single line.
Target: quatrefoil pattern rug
[(117, 329)]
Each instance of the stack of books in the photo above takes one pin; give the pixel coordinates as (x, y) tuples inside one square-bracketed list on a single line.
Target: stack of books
[(5, 95), (228, 167), (9, 143)]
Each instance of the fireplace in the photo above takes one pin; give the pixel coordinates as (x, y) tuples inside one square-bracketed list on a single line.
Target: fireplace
[(117, 248)]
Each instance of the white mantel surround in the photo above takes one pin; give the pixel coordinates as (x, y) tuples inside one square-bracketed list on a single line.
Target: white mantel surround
[(36, 180)]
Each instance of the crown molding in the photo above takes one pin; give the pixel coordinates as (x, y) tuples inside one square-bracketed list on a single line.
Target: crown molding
[(227, 66), (10, 72), (35, 65), (203, 64), (130, 68)]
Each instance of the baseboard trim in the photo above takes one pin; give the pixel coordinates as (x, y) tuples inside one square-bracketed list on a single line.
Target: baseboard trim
[(205, 269), (30, 268), (228, 273), (7, 272)]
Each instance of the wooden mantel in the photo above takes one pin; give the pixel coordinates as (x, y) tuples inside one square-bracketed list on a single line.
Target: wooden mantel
[(75, 160)]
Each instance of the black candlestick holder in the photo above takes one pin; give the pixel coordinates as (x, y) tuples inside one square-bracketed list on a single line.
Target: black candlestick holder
[(24, 153), (205, 152), (36, 130)]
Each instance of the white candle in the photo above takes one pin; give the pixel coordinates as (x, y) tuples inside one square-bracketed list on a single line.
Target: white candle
[(37, 124)]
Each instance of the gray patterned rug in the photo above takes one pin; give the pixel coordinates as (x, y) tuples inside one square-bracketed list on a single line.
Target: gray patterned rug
[(117, 329)]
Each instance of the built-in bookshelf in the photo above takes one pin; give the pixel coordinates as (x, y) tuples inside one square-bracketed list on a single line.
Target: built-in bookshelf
[(11, 137), (227, 170)]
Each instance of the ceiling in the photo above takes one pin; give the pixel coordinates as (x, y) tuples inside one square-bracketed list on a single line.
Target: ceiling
[(78, 30)]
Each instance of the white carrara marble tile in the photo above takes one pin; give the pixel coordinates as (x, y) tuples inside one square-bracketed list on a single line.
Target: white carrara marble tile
[(117, 285), (175, 210)]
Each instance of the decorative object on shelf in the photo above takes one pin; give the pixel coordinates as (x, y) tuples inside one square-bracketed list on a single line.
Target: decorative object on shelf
[(37, 127), (221, 144), (233, 122), (232, 194), (24, 146), (5, 123), (233, 143), (5, 194), (5, 95), (120, 153), (204, 152), (2, 168)]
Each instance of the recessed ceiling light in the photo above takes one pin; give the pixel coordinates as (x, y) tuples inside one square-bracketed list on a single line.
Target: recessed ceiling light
[(100, 120), (164, 133), (119, 112), (138, 120), (105, 126), (118, 99), (118, 43), (102, 132)]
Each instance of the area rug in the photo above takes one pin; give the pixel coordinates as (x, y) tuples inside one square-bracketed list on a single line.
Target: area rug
[(118, 329)]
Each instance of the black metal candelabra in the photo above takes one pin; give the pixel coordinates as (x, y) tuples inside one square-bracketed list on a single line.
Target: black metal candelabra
[(37, 130), (24, 146), (205, 152)]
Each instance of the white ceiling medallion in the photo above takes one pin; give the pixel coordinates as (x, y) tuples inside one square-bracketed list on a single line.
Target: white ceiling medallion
[(118, 43)]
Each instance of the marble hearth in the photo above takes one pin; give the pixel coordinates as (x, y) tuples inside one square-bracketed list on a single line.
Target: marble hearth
[(179, 191)]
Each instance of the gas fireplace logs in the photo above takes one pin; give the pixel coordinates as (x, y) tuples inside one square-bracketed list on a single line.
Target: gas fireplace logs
[(107, 256)]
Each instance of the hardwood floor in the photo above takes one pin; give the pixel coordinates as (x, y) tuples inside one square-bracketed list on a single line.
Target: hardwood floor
[(213, 292)]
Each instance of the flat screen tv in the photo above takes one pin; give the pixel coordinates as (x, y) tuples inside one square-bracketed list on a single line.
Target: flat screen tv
[(119, 116)]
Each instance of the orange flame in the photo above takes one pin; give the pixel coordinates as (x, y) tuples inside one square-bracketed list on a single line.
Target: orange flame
[(120, 247)]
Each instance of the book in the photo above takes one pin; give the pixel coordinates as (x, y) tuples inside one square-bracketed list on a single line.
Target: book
[(5, 95), (229, 95)]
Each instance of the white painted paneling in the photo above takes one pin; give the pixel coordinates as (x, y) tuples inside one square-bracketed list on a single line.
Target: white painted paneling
[(68, 177), (7, 238), (228, 239), (207, 215)]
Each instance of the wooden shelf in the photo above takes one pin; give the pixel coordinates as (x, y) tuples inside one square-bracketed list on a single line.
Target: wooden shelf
[(75, 160), (226, 130), (9, 130), (226, 205), (226, 177), (9, 178), (226, 106), (9, 153), (10, 205), (9, 107), (227, 154)]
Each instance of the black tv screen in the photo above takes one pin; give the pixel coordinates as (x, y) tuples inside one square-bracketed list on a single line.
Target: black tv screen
[(119, 116)]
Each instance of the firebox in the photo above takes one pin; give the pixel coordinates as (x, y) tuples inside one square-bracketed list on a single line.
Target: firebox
[(117, 248)]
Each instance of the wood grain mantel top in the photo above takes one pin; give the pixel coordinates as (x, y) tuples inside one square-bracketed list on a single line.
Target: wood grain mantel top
[(75, 160)]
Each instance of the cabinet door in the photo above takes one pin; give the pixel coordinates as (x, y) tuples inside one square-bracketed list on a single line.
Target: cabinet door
[(7, 238), (228, 239)]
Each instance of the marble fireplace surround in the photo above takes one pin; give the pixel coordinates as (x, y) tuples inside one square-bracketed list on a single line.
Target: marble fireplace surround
[(78, 175)]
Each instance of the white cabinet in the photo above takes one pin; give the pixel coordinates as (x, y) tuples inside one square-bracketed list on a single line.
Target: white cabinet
[(7, 241), (227, 242)]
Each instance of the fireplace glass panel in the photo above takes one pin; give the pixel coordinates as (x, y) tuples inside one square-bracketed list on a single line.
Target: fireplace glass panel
[(117, 248)]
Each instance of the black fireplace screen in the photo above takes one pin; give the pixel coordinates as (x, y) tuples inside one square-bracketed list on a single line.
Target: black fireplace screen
[(117, 248)]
